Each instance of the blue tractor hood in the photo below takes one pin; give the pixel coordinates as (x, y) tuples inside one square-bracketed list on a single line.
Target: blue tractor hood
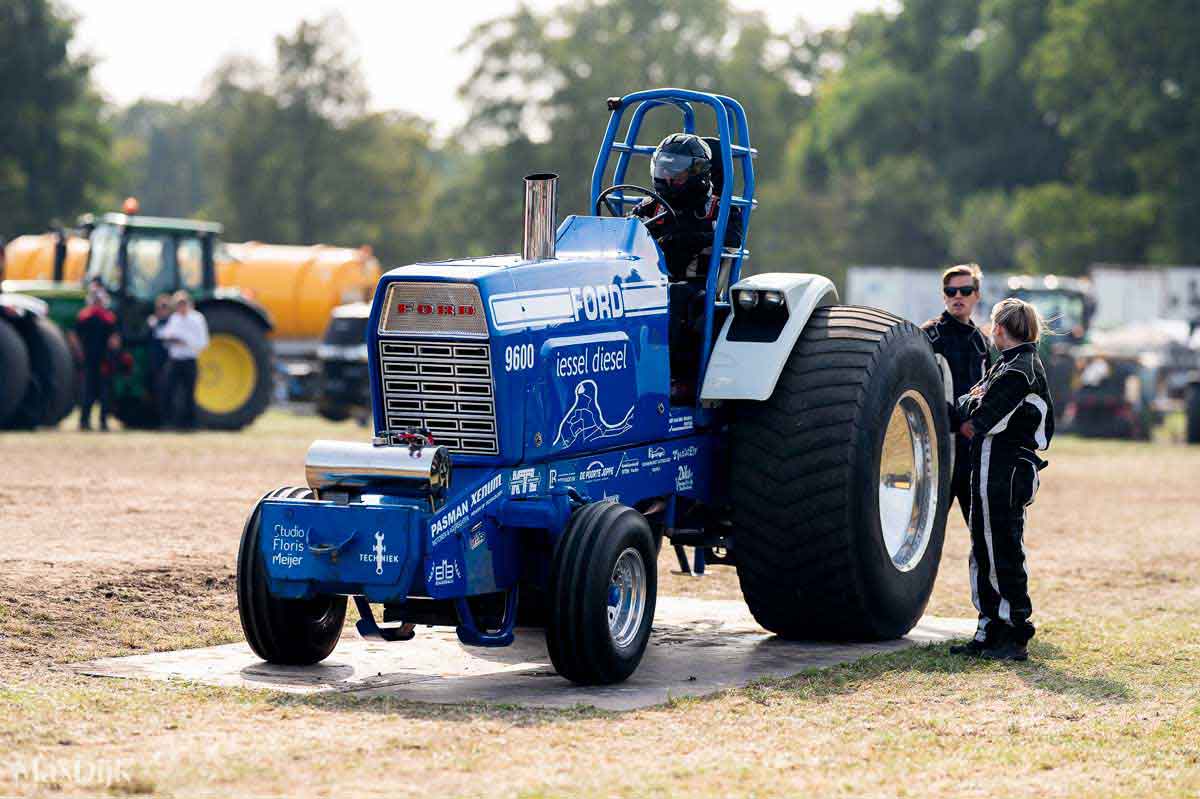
[(579, 238), (585, 328)]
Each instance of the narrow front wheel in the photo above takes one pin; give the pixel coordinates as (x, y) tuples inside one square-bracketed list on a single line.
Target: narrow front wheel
[(603, 587), (293, 632)]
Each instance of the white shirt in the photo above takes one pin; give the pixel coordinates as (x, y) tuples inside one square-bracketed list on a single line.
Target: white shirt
[(191, 331)]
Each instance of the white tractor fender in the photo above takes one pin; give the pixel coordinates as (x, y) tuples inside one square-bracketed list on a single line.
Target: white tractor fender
[(748, 370)]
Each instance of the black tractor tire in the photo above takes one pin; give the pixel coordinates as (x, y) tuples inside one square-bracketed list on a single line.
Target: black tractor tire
[(225, 320), (578, 636), (62, 377), (14, 371), (291, 632), (333, 412), (1192, 410), (137, 412), (50, 394), (805, 479)]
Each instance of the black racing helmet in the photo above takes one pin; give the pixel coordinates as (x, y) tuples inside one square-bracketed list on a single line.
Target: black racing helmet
[(681, 169)]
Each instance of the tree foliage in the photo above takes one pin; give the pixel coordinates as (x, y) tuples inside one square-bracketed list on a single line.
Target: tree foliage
[(1123, 79), (53, 141), (1024, 134)]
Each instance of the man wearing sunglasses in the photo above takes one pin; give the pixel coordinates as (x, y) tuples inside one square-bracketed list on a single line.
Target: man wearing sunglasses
[(960, 344)]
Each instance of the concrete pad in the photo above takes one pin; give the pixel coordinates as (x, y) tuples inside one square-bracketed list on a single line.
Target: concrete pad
[(697, 647)]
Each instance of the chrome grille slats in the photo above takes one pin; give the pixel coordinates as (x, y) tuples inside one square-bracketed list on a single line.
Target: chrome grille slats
[(444, 386)]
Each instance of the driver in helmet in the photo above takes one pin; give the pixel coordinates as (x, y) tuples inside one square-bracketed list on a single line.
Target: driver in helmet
[(682, 171)]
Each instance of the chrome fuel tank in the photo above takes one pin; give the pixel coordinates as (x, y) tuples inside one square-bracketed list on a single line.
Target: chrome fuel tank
[(355, 466)]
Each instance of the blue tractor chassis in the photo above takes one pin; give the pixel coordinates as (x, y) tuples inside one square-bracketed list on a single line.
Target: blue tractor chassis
[(576, 352), (389, 548)]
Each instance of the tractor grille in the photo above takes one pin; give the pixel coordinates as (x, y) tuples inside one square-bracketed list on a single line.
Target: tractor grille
[(446, 387)]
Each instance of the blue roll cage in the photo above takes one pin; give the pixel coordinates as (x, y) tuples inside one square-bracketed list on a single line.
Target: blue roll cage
[(731, 119)]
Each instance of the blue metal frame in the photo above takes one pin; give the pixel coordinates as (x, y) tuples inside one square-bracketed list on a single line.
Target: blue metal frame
[(731, 118)]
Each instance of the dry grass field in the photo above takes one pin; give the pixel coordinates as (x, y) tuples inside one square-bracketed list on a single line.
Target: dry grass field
[(124, 543)]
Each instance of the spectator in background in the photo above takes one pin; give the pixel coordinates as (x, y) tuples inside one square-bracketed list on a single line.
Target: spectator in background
[(97, 343), (157, 355), (960, 346), (186, 335)]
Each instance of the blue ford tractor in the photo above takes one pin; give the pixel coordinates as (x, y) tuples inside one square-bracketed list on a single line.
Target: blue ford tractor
[(533, 445)]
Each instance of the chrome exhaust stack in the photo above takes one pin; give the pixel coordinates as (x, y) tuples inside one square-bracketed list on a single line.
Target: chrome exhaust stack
[(353, 466), (541, 210)]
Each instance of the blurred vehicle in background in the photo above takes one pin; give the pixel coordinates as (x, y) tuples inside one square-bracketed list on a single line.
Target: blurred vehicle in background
[(297, 286), (136, 258), (38, 380), (1193, 409), (1116, 397), (343, 383)]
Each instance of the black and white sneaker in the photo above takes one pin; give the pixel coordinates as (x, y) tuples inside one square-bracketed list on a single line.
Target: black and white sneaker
[(971, 648), (1007, 650)]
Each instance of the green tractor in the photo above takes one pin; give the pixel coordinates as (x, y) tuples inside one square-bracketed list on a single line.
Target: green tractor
[(137, 258)]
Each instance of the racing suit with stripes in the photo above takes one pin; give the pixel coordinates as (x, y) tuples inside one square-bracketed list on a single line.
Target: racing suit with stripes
[(1013, 418)]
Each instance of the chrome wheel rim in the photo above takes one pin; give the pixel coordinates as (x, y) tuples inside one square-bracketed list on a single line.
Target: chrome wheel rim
[(908, 481), (626, 597)]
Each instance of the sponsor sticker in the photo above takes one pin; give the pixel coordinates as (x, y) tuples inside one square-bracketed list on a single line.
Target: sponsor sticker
[(596, 470), (680, 424), (444, 573), (523, 482), (288, 545), (456, 516), (683, 478), (684, 452), (378, 554)]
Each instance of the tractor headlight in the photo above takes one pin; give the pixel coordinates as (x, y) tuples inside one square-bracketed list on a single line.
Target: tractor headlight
[(766, 300), (747, 300), (759, 315)]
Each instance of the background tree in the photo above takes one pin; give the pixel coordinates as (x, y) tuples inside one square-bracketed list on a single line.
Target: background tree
[(54, 144), (1122, 77), (537, 95)]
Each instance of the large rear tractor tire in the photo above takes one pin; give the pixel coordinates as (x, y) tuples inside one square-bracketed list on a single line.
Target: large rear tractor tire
[(233, 386), (603, 587), (841, 481), (293, 632), (14, 370), (50, 394), (62, 376)]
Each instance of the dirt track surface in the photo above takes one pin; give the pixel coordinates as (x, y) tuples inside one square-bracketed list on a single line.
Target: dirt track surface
[(123, 543)]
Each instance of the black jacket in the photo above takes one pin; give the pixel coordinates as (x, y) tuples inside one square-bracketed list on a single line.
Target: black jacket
[(691, 232), (1012, 402), (965, 350)]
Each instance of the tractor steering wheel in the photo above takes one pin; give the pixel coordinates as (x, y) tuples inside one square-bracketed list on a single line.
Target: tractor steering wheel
[(615, 208)]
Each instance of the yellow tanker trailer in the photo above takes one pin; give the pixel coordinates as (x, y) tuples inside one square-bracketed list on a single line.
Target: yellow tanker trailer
[(299, 286)]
